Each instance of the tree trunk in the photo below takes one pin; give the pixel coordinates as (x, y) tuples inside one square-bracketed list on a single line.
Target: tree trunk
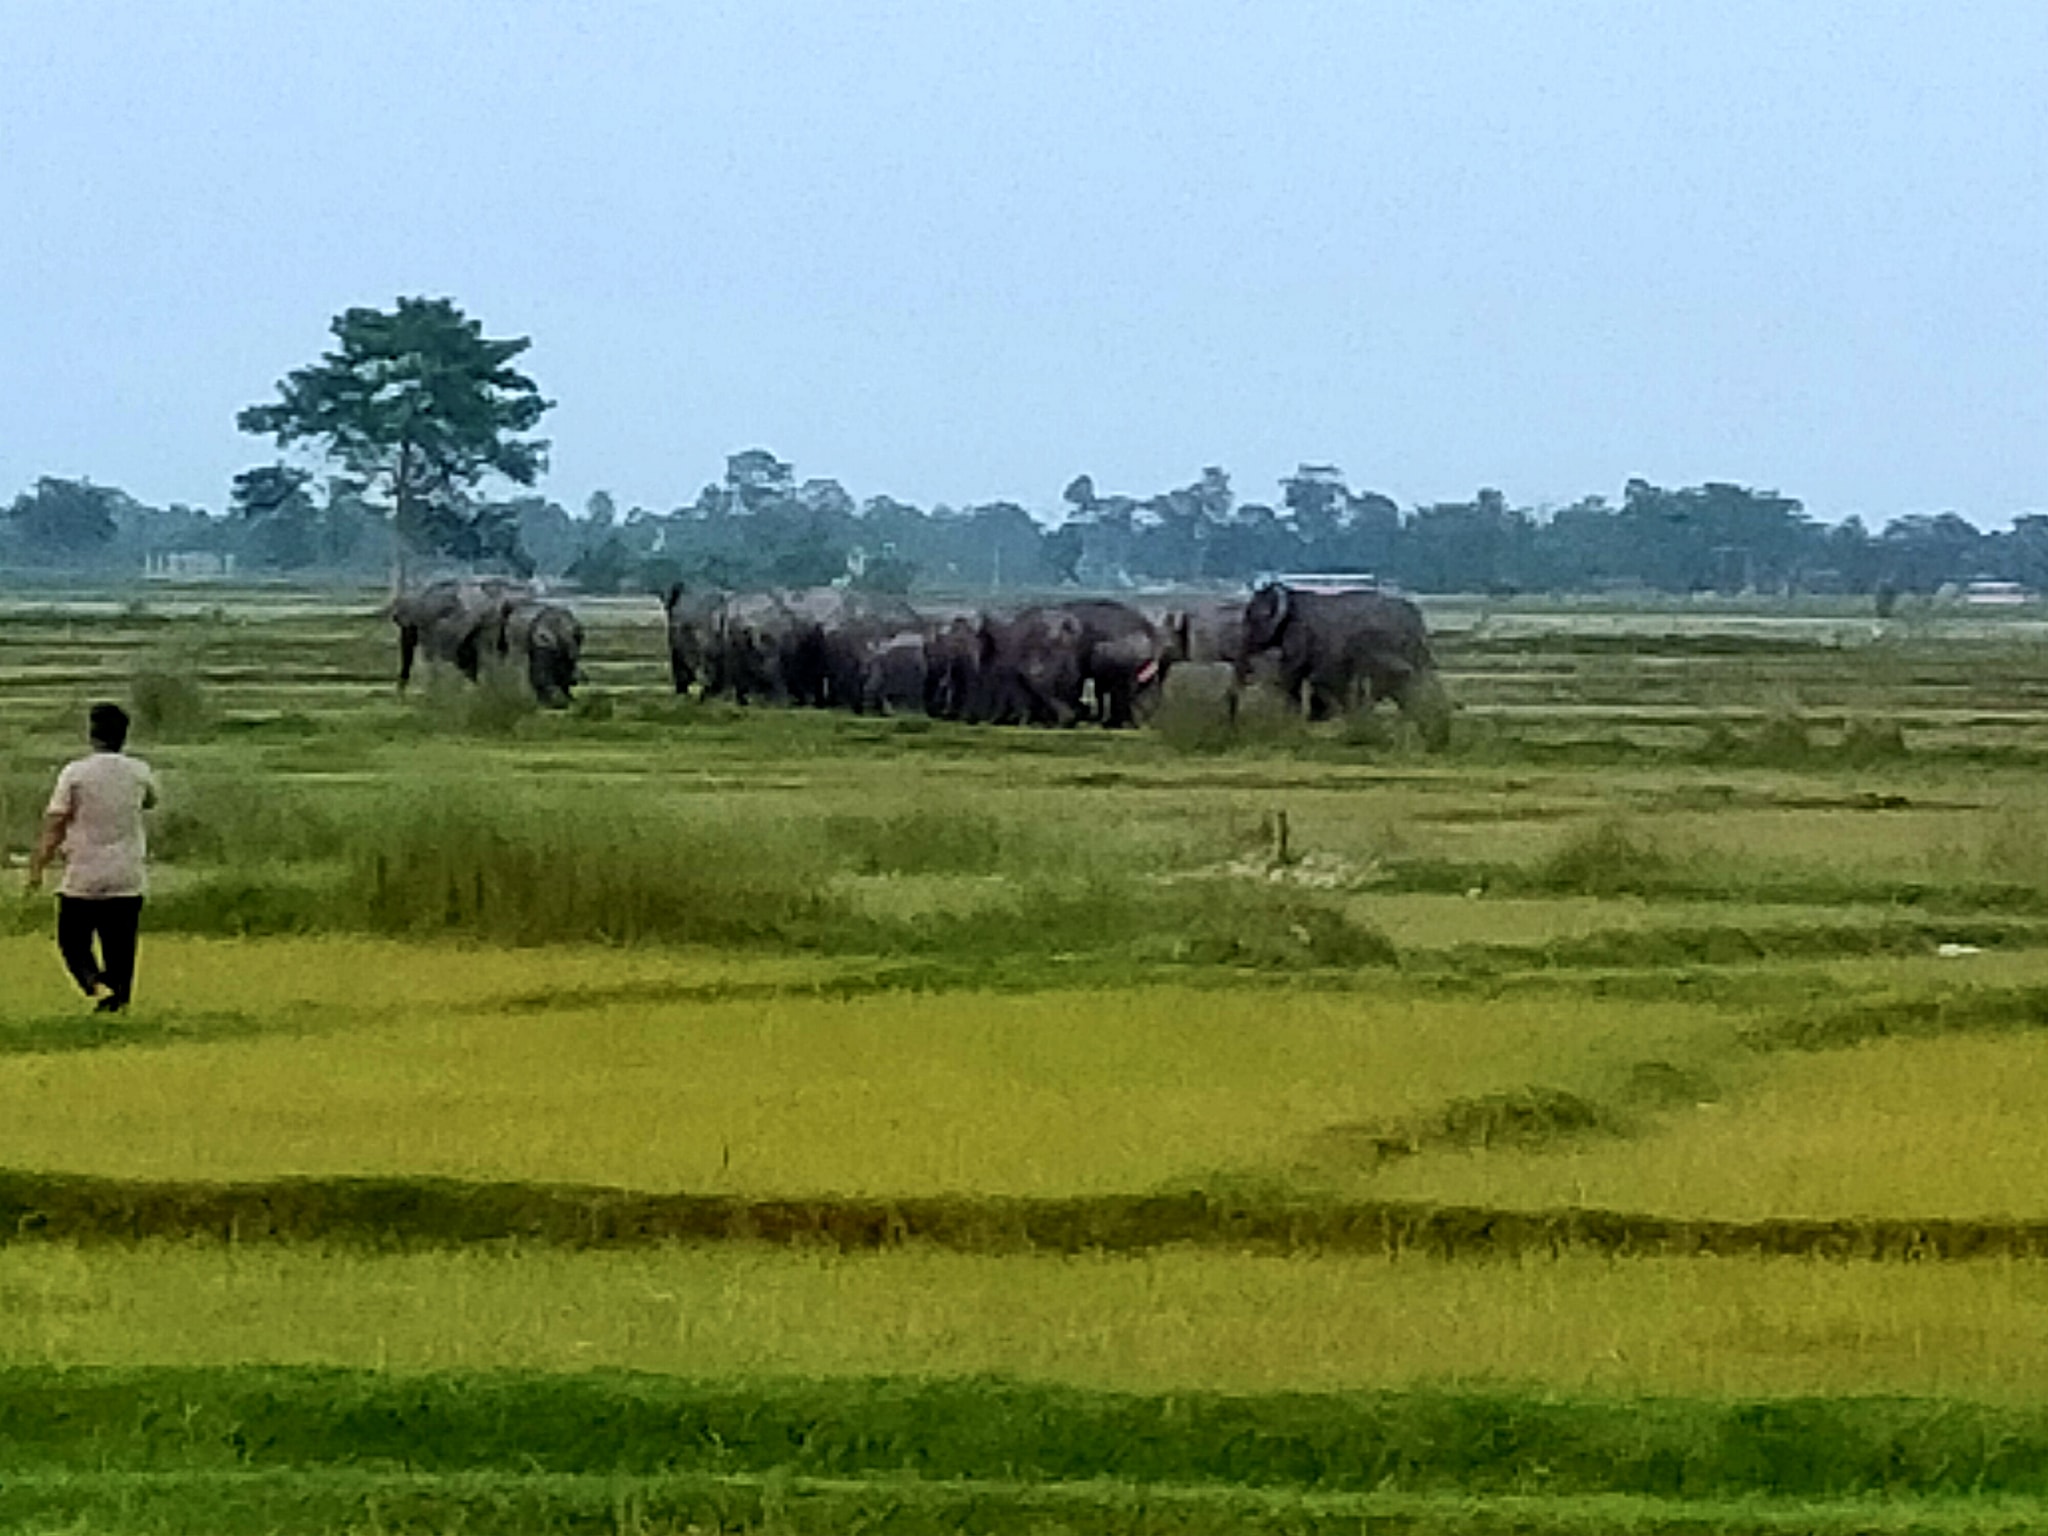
[(398, 495)]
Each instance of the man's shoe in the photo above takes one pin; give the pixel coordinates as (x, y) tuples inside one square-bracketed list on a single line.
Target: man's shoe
[(109, 1004)]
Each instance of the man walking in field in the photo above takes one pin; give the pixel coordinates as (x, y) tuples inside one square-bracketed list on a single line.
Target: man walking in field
[(95, 821)]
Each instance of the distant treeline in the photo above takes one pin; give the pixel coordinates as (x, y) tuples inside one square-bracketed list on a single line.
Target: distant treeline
[(760, 526)]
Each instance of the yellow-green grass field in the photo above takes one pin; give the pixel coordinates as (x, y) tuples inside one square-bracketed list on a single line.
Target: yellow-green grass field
[(1163, 1321), (337, 1056), (1739, 918), (658, 1071)]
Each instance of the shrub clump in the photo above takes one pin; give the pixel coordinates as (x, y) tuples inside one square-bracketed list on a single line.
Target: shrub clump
[(170, 703), (1609, 858), (1869, 741), (534, 875), (943, 842)]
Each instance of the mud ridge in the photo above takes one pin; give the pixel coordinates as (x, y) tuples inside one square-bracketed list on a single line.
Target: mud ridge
[(403, 1214)]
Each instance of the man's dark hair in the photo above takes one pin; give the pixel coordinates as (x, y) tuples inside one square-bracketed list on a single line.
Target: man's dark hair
[(109, 725)]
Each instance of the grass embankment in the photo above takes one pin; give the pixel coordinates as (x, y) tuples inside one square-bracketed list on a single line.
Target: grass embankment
[(304, 1450)]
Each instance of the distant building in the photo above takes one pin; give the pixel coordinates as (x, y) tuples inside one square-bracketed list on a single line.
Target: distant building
[(1332, 581), (1996, 594), (187, 565)]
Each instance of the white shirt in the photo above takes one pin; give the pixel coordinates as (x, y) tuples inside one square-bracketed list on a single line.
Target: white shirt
[(104, 795)]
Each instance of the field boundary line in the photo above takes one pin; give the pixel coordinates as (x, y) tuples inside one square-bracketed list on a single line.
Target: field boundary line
[(1148, 1505), (440, 1213)]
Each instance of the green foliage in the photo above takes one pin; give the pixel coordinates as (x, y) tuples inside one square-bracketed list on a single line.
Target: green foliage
[(64, 520), (419, 402), (169, 703), (1868, 741), (1608, 857), (1782, 741), (523, 871), (947, 839)]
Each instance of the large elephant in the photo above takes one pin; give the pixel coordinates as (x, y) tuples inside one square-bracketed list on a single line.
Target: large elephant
[(1124, 658), (1340, 649), (837, 655), (471, 623), (454, 622), (952, 669), (1030, 668), (758, 638), (894, 676), (695, 643)]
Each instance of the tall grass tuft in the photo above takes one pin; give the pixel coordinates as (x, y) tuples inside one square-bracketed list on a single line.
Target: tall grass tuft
[(1197, 714), (937, 840), (1241, 925), (498, 703), (1782, 741), (170, 703), (530, 873), (1870, 740), (1611, 857)]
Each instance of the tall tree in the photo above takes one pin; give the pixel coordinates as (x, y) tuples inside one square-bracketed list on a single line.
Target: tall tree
[(758, 479), (419, 405), (66, 521)]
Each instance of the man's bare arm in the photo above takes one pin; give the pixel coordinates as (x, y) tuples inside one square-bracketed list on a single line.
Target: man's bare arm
[(55, 825)]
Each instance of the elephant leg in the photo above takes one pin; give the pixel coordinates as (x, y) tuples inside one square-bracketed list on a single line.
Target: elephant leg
[(408, 647), (1116, 704)]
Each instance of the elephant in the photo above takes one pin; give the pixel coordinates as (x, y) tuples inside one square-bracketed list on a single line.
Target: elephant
[(1208, 632), (695, 646), (804, 654), (467, 623), (550, 640), (1337, 649), (1030, 668), (952, 670), (756, 641), (1124, 658), (894, 675), (456, 622), (835, 657)]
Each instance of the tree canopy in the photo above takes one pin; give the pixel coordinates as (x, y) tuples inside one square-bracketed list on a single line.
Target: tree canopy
[(418, 406)]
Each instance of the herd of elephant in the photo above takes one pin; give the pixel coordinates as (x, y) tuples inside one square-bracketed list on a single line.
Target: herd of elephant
[(1053, 664)]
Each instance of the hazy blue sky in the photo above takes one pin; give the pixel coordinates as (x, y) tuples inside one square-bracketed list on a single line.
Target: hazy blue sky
[(960, 251)]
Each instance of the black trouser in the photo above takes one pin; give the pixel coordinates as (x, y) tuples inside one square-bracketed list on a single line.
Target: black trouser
[(113, 920)]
